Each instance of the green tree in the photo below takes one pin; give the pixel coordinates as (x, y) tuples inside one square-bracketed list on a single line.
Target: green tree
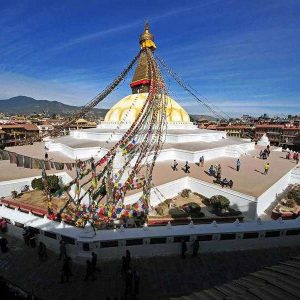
[(219, 202)]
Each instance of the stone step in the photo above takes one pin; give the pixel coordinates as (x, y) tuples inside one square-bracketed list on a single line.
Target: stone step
[(288, 289), (285, 270)]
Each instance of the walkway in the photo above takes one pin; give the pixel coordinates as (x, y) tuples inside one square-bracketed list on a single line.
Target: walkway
[(161, 278)]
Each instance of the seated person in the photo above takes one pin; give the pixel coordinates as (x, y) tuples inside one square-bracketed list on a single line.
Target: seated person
[(211, 170), (218, 177), (224, 182), (230, 183)]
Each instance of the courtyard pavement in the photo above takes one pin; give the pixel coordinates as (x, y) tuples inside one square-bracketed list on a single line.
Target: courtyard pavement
[(161, 277)]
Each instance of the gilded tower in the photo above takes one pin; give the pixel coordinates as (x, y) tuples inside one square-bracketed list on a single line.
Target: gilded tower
[(129, 107), (141, 79)]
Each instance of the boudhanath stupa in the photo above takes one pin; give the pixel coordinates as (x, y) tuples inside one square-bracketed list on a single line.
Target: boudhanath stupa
[(184, 140)]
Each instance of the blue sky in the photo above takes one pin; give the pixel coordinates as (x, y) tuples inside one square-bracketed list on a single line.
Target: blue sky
[(242, 55)]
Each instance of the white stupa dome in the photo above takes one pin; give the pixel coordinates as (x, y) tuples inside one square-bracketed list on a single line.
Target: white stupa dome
[(132, 104)]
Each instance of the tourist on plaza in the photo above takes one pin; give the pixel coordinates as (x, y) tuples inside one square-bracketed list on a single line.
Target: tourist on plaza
[(297, 158), (187, 167), (238, 165), (3, 244), (195, 247), (219, 173), (42, 252), (183, 248), (66, 271), (175, 164), (260, 154), (136, 281), (62, 250), (201, 161), (90, 272), (266, 168), (224, 182), (46, 156), (211, 170), (230, 183)]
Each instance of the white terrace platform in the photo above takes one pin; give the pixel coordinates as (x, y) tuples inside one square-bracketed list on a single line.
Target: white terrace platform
[(180, 144)]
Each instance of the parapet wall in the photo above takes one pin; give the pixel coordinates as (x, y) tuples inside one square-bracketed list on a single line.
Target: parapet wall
[(156, 241)]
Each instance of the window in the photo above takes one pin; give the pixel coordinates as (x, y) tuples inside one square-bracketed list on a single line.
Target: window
[(19, 224), (207, 237), (272, 233), (158, 240), (50, 235), (107, 244), (134, 242), (293, 232), (227, 236), (250, 235), (86, 247), (68, 240), (178, 239), (34, 230)]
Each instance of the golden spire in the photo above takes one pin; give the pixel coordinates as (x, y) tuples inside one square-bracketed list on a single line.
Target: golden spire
[(147, 39)]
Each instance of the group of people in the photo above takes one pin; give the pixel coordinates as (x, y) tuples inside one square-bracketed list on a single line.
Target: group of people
[(293, 156), (186, 167), (216, 171), (264, 154), (29, 237)]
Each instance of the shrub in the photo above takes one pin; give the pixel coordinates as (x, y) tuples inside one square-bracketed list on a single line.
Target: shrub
[(14, 194), (191, 207), (37, 184), (185, 193), (219, 202), (290, 203), (53, 182), (178, 213)]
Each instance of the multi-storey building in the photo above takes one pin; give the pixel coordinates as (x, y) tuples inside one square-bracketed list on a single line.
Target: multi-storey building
[(15, 134)]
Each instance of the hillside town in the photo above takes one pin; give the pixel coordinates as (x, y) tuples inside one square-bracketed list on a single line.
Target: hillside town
[(281, 131)]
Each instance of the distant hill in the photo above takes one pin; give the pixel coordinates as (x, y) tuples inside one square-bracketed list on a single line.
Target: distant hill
[(27, 105)]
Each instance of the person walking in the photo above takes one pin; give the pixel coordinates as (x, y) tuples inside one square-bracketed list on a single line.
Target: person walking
[(238, 165), (3, 244), (62, 250), (266, 168), (195, 247), (94, 262), (128, 257), (128, 282), (66, 270), (42, 252), (187, 167), (175, 164), (136, 281), (183, 248)]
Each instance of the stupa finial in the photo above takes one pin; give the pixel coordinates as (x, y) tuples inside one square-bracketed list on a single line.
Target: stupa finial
[(147, 39)]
